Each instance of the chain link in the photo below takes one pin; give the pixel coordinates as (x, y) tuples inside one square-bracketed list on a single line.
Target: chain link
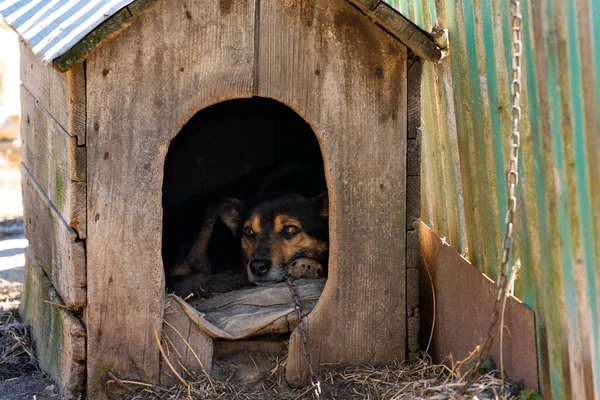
[(512, 180), (301, 326)]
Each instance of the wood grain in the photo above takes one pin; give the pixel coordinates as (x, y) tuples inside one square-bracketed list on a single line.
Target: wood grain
[(58, 335), (188, 346), (53, 244), (413, 200), (55, 162), (147, 83), (347, 78), (414, 67), (402, 28), (61, 94), (414, 71)]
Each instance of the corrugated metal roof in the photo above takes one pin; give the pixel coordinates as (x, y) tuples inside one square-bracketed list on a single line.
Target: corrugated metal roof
[(52, 27)]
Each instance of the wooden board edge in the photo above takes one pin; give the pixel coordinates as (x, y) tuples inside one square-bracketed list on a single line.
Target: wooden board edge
[(58, 335), (401, 28), (187, 346), (140, 6), (66, 265), (413, 201), (77, 103), (61, 95), (55, 161)]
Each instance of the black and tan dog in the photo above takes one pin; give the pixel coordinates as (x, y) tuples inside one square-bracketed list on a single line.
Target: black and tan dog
[(270, 236), (285, 233)]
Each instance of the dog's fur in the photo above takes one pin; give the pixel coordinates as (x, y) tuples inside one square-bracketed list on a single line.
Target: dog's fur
[(279, 230), (264, 236)]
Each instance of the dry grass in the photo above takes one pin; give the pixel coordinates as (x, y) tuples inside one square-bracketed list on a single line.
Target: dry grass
[(16, 350), (419, 379)]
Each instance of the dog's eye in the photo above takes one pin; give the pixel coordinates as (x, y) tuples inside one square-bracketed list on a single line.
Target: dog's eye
[(290, 230), (248, 231)]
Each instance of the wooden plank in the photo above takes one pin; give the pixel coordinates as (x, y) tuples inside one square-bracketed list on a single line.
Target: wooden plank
[(188, 346), (414, 69), (463, 309), (58, 335), (156, 78), (61, 94), (413, 81), (53, 244), (55, 161), (347, 78), (139, 6), (366, 5), (77, 103), (401, 28)]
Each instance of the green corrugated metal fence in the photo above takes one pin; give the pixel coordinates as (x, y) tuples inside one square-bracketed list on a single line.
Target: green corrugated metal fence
[(466, 108)]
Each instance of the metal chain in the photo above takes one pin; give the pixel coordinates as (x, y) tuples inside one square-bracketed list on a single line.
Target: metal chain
[(512, 177), (301, 326)]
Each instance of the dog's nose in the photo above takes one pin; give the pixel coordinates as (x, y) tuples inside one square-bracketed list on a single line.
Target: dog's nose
[(259, 267)]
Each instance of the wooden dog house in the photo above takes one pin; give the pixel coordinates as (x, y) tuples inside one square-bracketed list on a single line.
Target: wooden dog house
[(97, 125)]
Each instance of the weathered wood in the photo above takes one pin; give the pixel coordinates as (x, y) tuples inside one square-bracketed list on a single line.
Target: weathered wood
[(53, 244), (187, 345), (349, 83), (61, 94), (139, 6), (413, 155), (413, 200), (147, 84), (58, 335), (412, 290), (414, 71), (55, 161), (105, 31), (366, 5), (78, 103), (401, 28), (412, 238), (412, 258)]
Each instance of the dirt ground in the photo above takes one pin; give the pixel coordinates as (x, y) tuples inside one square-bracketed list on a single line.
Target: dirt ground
[(20, 376)]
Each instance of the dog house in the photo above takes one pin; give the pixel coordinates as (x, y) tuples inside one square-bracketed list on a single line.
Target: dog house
[(98, 125)]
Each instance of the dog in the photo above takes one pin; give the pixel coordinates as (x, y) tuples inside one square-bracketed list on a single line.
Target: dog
[(284, 234), (267, 224)]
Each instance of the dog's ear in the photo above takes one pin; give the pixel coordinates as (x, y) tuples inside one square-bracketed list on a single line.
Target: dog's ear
[(230, 211), (322, 203)]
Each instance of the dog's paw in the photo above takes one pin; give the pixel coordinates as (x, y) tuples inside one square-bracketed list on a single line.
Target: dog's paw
[(305, 268), (185, 285)]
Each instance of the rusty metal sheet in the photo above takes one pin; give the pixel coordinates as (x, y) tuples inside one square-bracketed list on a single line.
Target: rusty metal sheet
[(464, 299)]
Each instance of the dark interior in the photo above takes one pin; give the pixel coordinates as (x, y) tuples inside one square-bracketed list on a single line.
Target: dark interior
[(230, 149)]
